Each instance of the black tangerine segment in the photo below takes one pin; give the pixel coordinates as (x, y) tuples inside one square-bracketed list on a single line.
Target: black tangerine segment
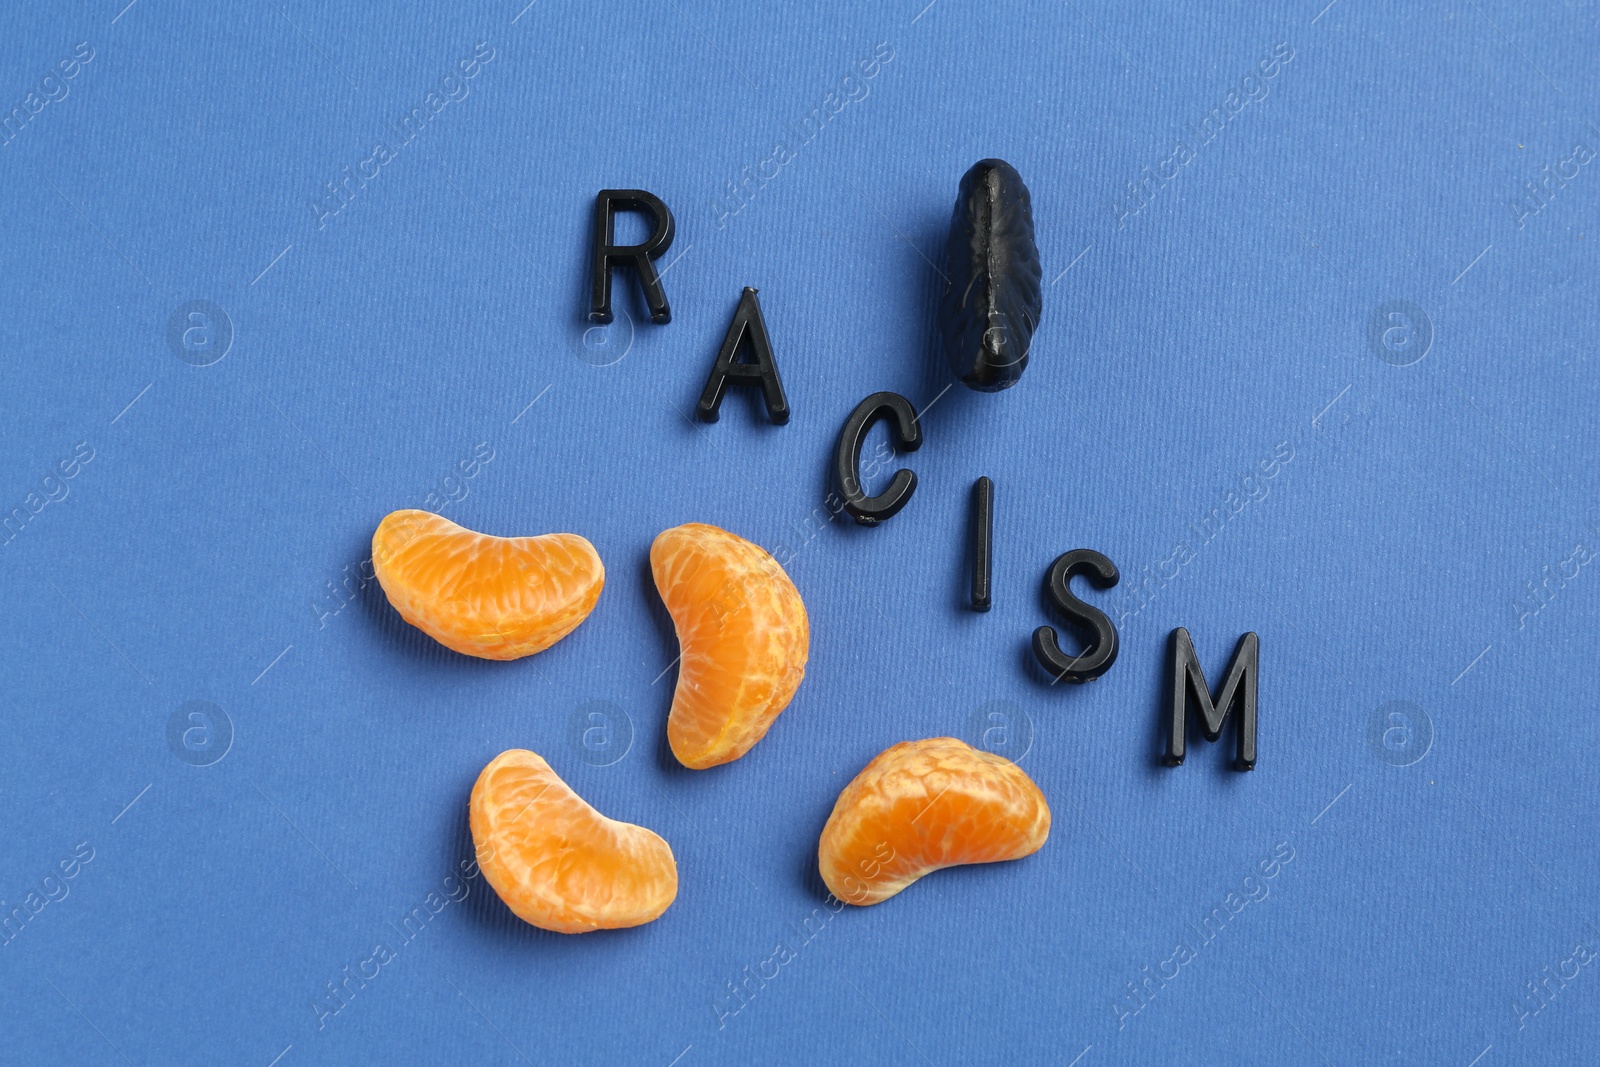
[(992, 299)]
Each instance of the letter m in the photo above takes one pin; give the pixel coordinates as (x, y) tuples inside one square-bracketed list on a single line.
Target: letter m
[(1238, 692)]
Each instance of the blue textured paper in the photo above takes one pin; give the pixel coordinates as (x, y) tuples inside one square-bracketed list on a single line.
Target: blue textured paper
[(1317, 361)]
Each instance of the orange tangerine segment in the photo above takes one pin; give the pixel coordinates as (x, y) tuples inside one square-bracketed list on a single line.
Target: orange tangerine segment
[(481, 595), (920, 806), (558, 863), (743, 635)]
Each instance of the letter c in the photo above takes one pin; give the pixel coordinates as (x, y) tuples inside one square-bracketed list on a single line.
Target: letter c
[(907, 432)]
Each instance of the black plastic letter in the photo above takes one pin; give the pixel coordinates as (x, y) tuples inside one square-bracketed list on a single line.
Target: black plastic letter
[(907, 431), (762, 369), (1101, 652), (982, 542), (1238, 691), (608, 255)]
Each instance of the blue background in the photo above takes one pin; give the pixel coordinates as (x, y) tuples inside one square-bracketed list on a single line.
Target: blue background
[(198, 555)]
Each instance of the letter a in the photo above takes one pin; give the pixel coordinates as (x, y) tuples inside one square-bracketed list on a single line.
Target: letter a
[(762, 368)]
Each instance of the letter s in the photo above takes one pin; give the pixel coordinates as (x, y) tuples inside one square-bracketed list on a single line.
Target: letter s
[(1101, 652), (83, 50)]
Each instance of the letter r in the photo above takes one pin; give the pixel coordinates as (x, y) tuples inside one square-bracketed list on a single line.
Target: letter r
[(607, 253)]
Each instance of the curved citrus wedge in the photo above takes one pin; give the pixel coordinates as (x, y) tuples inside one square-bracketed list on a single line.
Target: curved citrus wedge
[(481, 595), (558, 863), (924, 805), (743, 635)]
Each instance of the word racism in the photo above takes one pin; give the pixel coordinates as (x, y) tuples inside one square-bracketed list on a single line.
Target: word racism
[(1140, 995), (852, 90), (452, 89), (52, 89), (52, 889), (1252, 89), (339, 993), (52, 489), (1551, 181)]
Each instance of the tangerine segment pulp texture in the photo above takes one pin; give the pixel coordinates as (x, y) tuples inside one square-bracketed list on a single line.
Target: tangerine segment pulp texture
[(743, 635), (558, 863), (924, 805), (481, 595)]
